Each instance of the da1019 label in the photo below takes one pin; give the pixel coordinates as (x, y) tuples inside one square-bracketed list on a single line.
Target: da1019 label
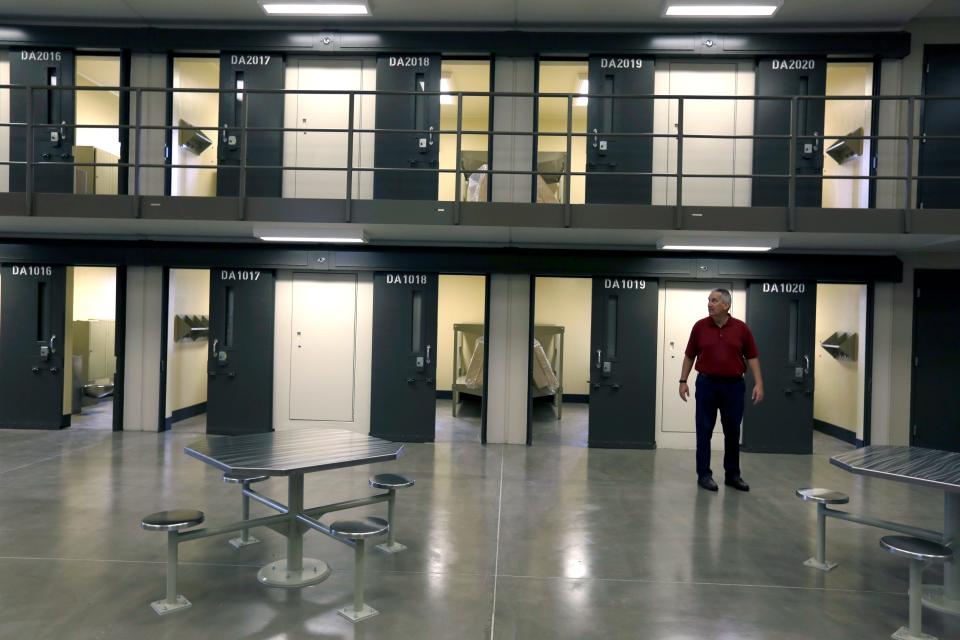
[(625, 284)]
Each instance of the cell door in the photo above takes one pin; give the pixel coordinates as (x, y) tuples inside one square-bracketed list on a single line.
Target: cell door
[(414, 145), (608, 118), (789, 77), (623, 363), (940, 157), (53, 114), (403, 393), (239, 73), (240, 356), (782, 317), (32, 324), (935, 406)]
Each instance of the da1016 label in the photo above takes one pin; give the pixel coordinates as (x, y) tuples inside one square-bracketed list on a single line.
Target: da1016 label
[(31, 270)]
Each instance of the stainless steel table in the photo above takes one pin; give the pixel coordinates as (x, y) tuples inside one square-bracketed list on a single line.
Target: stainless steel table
[(928, 468), (293, 453)]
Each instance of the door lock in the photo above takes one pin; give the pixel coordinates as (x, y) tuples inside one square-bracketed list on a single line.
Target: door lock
[(607, 369), (420, 363), (55, 137)]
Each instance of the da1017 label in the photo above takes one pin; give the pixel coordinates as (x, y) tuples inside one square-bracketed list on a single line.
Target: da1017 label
[(240, 275)]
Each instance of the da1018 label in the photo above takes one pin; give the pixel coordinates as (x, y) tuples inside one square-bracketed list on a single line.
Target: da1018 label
[(784, 287), (627, 284), (407, 278), (31, 270), (239, 274)]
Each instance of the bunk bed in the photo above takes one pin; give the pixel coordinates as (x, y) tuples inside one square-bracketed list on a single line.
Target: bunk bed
[(468, 363)]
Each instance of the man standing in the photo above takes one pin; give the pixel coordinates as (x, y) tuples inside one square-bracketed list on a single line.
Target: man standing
[(723, 347)]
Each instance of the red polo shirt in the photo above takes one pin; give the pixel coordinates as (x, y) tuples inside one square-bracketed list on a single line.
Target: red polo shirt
[(721, 351)]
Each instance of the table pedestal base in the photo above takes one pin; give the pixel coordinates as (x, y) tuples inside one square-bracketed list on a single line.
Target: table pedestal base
[(933, 598), (353, 615), (276, 574)]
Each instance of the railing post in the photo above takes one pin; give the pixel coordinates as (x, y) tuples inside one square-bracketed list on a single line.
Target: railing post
[(908, 168), (28, 156), (456, 161), (678, 211), (348, 208), (137, 140), (242, 187), (792, 169), (567, 207)]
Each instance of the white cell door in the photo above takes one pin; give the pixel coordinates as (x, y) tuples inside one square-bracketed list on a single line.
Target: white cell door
[(321, 111), (705, 117), (684, 304), (323, 347)]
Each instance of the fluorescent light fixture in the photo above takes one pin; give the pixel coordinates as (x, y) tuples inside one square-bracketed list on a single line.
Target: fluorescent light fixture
[(717, 244), (312, 236), (706, 9), (354, 8), (583, 89), (445, 88)]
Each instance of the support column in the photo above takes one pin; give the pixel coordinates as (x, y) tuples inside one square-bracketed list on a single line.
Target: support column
[(509, 359)]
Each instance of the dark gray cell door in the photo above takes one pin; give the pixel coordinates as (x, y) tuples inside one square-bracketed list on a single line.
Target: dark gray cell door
[(53, 114), (239, 73), (623, 363), (782, 316), (607, 117), (935, 404), (789, 77), (240, 352), (940, 157), (403, 395), (406, 148), (32, 319)]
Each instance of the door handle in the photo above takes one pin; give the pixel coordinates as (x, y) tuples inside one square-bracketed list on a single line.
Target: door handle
[(596, 139), (53, 343), (214, 347), (816, 141), (430, 136), (599, 364), (806, 364), (428, 354), (63, 130)]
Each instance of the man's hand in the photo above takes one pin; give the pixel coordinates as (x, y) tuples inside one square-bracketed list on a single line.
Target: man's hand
[(684, 391), (757, 394)]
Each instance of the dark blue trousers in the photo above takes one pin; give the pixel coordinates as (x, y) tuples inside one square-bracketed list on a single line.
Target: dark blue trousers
[(726, 396)]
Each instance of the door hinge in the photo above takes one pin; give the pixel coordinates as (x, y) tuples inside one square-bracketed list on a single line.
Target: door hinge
[(874, 162), (918, 292), (916, 361), (914, 430), (928, 67)]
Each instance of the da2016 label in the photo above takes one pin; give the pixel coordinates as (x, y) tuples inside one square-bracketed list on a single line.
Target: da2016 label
[(406, 278), (239, 274), (41, 56), (784, 287), (627, 284)]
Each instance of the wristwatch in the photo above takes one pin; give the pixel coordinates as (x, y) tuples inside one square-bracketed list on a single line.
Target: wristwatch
[(683, 382)]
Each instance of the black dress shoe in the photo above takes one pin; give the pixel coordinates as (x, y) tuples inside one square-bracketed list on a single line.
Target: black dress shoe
[(737, 483), (707, 483)]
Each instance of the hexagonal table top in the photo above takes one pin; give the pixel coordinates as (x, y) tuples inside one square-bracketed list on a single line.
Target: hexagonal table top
[(282, 453)]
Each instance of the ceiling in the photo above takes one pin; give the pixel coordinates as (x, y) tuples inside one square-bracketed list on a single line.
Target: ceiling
[(620, 15)]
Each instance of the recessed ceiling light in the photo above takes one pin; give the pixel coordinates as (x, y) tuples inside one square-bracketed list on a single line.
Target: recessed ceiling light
[(583, 89), (332, 236), (717, 244), (693, 9), (316, 8)]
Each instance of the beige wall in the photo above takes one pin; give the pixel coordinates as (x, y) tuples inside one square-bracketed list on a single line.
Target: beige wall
[(187, 360), (94, 293), (838, 399), (462, 299), (840, 118), (200, 110), (567, 302)]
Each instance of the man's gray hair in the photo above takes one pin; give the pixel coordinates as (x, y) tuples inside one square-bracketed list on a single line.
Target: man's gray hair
[(725, 296)]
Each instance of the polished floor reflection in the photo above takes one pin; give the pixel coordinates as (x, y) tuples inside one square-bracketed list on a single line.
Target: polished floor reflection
[(504, 542)]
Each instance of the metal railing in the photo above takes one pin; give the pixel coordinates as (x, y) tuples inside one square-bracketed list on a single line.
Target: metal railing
[(907, 178)]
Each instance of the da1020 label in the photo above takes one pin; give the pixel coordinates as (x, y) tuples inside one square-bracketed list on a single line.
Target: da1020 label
[(784, 287)]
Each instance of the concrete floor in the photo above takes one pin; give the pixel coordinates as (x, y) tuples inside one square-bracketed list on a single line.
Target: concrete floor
[(504, 542)]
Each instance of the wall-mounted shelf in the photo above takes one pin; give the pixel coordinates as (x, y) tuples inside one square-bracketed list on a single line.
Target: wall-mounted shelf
[(841, 345), (190, 328)]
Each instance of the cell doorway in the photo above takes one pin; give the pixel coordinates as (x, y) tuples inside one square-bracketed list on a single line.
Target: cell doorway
[(91, 338), (187, 345)]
